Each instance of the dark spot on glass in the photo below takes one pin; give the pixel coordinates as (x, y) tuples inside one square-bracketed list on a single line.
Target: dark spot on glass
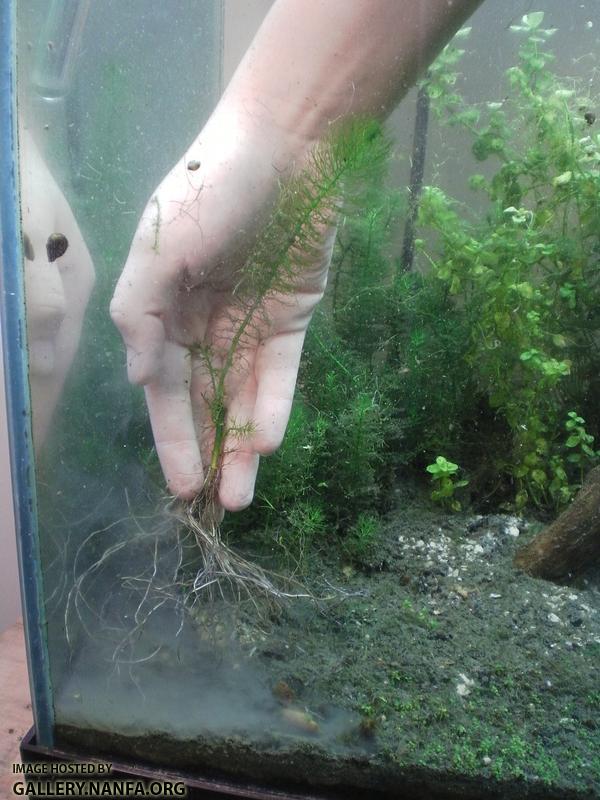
[(28, 251), (56, 246), (589, 117), (193, 165)]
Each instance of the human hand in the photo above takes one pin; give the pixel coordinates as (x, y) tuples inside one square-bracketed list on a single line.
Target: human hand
[(176, 307), (59, 276)]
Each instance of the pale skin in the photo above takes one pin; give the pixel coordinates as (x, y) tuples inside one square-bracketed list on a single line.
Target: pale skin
[(312, 63), (57, 291)]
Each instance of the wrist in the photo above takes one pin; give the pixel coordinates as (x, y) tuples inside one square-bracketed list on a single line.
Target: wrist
[(243, 141), (267, 130)]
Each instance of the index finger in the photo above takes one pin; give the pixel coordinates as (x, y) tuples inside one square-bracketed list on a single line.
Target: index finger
[(138, 303)]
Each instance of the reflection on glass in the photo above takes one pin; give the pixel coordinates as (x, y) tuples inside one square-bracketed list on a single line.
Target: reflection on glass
[(59, 275), (58, 46)]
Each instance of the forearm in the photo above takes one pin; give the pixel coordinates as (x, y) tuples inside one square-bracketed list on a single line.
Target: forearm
[(315, 61)]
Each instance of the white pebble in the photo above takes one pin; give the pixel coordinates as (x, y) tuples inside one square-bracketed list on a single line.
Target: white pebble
[(464, 687)]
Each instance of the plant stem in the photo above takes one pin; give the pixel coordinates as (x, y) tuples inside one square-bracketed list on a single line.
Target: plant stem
[(416, 177)]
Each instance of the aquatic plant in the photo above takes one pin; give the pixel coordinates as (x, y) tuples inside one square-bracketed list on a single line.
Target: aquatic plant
[(580, 443), (523, 280), (337, 448), (443, 475), (306, 521), (359, 541), (309, 202), (481, 352)]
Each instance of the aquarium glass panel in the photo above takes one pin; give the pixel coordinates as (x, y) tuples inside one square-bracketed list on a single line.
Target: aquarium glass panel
[(411, 599), (110, 94)]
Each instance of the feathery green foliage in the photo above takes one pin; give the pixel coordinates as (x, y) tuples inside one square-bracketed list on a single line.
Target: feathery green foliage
[(332, 456), (308, 203)]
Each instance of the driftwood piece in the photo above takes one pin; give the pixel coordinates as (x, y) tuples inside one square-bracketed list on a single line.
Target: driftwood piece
[(571, 543)]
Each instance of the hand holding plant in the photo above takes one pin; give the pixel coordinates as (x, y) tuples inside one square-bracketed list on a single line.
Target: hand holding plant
[(217, 344), (176, 310)]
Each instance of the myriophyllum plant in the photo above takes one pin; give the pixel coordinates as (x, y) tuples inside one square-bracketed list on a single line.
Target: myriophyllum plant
[(331, 184)]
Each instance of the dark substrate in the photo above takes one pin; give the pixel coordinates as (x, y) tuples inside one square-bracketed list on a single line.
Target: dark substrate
[(429, 664)]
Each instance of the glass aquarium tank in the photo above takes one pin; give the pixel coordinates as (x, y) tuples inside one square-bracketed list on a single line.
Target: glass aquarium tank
[(404, 601)]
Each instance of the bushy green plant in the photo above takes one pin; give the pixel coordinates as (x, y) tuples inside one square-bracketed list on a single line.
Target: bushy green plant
[(363, 272), (483, 352), (524, 278), (328, 469), (427, 374), (359, 541), (305, 521), (333, 450)]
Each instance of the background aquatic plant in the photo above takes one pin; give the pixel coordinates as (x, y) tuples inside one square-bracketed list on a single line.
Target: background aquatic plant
[(525, 277), (483, 350)]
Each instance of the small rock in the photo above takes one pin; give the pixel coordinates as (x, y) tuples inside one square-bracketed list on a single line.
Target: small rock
[(463, 688), (489, 542), (567, 722), (283, 692), (474, 524), (553, 618), (461, 592), (275, 651)]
